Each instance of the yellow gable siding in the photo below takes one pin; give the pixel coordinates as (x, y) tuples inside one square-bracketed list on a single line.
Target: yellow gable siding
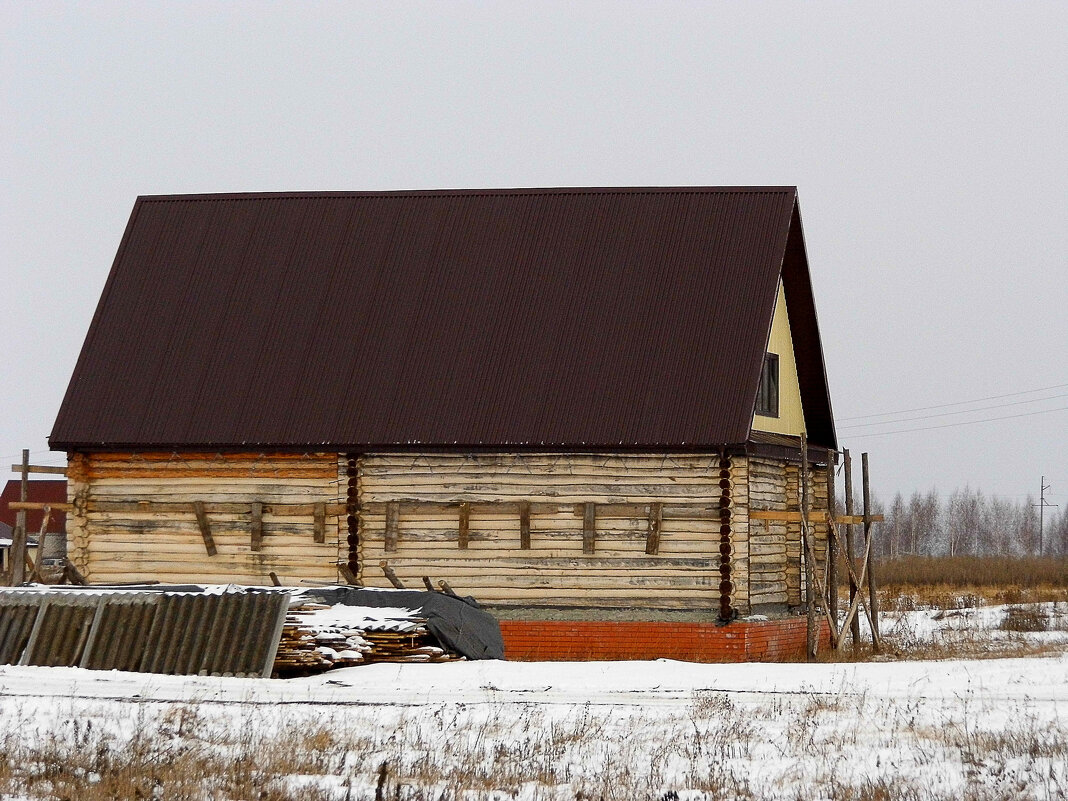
[(791, 419)]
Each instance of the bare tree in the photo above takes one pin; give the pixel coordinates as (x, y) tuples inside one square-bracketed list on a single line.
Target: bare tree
[(967, 523)]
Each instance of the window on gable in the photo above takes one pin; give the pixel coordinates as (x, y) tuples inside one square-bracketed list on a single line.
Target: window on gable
[(767, 403)]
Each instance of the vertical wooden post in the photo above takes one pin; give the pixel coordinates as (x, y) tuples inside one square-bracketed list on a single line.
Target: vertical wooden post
[(256, 538), (205, 528), (810, 584), (524, 525), (851, 553), (652, 536), (35, 571), (873, 601), (589, 527), (319, 522), (832, 541), (18, 536), (465, 525), (392, 515)]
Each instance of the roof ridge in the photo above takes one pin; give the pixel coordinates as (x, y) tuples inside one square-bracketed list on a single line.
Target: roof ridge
[(484, 192)]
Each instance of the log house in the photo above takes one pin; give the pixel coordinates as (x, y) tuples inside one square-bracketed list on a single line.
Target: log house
[(566, 403)]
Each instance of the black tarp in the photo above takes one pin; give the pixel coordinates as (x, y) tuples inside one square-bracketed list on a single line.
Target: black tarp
[(459, 624)]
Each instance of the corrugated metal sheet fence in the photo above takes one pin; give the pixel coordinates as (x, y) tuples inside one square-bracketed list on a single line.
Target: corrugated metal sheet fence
[(234, 633)]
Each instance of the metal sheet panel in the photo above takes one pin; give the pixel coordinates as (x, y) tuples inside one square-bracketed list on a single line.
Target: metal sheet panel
[(563, 318), (233, 633)]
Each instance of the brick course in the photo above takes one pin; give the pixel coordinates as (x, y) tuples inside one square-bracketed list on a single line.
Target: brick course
[(589, 640)]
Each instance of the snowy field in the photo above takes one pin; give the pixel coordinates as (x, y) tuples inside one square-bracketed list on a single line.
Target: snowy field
[(949, 729)]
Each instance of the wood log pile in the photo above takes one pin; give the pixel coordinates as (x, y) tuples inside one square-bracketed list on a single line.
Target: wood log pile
[(317, 638)]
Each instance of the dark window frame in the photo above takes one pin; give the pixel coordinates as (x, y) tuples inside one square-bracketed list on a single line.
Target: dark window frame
[(767, 401)]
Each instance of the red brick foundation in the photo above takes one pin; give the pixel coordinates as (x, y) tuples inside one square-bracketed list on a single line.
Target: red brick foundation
[(589, 640)]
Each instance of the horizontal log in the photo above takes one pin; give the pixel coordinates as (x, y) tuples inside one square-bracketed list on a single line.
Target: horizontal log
[(213, 473), (530, 563), (544, 461), (476, 493), (768, 540), (153, 524), (215, 489), (212, 456), (568, 582), (766, 574), (510, 538), (786, 516), (567, 549), (182, 508), (768, 549), (218, 566), (416, 506), (494, 521), (596, 609), (681, 596), (110, 576), (815, 516), (36, 505), (561, 477), (40, 468), (188, 546)]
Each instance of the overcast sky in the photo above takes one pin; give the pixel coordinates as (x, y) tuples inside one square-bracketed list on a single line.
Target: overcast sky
[(929, 143)]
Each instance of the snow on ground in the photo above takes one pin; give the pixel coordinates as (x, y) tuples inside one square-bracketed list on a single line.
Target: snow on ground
[(976, 728), (658, 683)]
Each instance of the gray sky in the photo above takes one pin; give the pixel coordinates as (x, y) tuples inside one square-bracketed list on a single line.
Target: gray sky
[(928, 143)]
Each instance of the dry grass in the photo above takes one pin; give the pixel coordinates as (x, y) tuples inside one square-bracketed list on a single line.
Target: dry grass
[(955, 589), (998, 580), (717, 746)]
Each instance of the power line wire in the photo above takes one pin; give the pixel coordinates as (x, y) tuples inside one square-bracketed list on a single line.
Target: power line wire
[(962, 411), (956, 403), (965, 423)]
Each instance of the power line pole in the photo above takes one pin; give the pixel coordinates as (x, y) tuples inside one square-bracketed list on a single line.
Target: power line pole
[(1041, 515)]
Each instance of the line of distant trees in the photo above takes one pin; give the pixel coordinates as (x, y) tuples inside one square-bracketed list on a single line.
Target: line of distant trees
[(967, 523)]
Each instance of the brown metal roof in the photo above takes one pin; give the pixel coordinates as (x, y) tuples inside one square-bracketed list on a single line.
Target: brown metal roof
[(548, 318)]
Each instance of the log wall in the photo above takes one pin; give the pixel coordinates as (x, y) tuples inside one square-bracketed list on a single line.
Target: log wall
[(133, 517), (568, 530), (776, 567), (567, 563)]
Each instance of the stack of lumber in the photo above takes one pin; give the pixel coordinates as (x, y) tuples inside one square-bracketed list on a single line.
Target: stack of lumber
[(317, 638), (312, 642), (408, 642)]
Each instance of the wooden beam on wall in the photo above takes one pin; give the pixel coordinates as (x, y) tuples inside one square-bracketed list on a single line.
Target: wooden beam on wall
[(465, 525), (652, 537), (392, 515), (524, 525), (256, 539), (589, 527), (319, 515), (205, 528), (391, 575), (814, 516)]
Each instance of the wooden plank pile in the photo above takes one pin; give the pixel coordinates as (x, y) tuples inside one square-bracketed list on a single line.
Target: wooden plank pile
[(317, 638)]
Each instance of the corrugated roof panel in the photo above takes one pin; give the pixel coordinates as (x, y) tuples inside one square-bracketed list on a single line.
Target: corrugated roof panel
[(523, 318)]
